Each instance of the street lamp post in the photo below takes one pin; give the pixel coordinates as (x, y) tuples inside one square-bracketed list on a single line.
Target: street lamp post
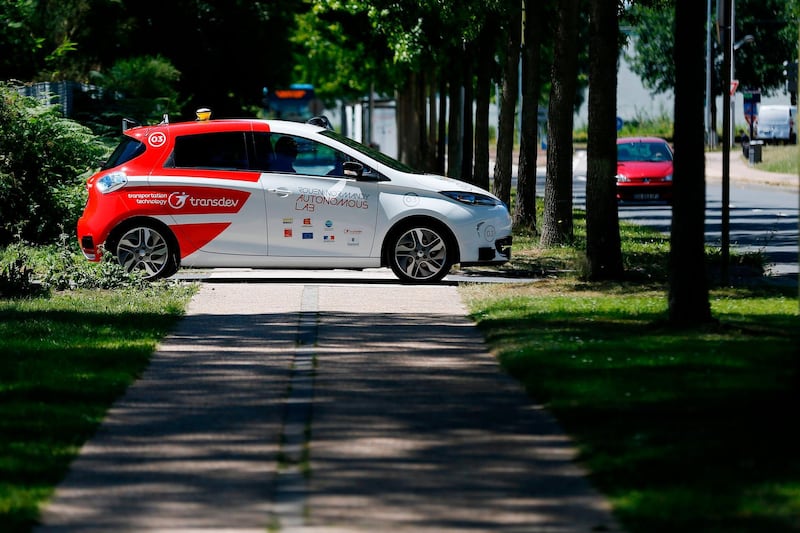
[(727, 56)]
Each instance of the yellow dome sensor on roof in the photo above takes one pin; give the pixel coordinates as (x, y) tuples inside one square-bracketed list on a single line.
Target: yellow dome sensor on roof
[(203, 114)]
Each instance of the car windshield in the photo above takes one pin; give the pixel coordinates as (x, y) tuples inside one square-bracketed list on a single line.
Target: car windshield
[(643, 151), (371, 152)]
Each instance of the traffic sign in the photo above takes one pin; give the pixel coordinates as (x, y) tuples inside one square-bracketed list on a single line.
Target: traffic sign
[(734, 86)]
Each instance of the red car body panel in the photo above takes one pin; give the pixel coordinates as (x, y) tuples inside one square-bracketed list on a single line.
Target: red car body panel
[(165, 203)]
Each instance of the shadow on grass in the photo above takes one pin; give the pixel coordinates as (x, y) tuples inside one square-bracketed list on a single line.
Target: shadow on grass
[(685, 430), (60, 370)]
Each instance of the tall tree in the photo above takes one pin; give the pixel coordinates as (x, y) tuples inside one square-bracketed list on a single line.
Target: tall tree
[(508, 103), (534, 29), (603, 247), (483, 88), (468, 121), (557, 226), (688, 286)]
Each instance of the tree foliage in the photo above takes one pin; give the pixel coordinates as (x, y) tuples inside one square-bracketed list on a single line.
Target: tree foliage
[(42, 159), (757, 65), (140, 88), (226, 51)]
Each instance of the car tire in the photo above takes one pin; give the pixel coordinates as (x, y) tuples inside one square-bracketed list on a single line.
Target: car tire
[(146, 247), (420, 252)]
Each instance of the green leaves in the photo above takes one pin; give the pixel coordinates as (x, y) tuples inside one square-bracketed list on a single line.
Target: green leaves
[(44, 157)]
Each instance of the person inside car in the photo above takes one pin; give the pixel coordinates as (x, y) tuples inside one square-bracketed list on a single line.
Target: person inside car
[(285, 154)]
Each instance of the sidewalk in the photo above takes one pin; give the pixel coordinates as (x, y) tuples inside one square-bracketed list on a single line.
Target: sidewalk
[(742, 172), (321, 408)]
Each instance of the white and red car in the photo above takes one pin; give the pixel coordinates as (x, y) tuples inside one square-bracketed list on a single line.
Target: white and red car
[(224, 193)]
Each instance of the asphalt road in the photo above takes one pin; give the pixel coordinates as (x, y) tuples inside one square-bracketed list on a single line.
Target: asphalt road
[(763, 211)]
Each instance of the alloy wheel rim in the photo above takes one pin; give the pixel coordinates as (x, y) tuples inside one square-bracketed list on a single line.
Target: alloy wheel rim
[(420, 253), (143, 249)]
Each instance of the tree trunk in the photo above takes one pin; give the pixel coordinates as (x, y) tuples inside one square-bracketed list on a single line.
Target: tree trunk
[(409, 123), (441, 138), (467, 146), (688, 285), (508, 104), (525, 206), (557, 227), (603, 248), (433, 125), (483, 89), (454, 133), (421, 106)]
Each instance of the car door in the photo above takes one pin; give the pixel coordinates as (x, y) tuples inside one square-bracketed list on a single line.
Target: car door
[(313, 210), (216, 201)]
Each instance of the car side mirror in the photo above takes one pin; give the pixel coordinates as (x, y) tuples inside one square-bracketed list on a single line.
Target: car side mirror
[(352, 169)]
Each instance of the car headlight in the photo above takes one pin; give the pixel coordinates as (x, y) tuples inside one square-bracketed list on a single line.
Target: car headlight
[(472, 198), (622, 178), (668, 177), (111, 182)]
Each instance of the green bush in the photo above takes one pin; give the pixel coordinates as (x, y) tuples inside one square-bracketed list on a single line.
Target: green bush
[(26, 270), (16, 273), (43, 161)]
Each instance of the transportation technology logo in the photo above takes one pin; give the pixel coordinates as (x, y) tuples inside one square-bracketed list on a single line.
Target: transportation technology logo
[(191, 200)]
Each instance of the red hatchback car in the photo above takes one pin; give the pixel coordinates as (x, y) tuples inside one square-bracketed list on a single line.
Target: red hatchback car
[(644, 169)]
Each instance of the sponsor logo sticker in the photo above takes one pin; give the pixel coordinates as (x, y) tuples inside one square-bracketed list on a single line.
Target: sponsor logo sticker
[(190, 201)]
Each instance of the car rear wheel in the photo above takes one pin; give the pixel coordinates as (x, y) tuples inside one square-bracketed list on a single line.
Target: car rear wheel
[(420, 253), (148, 249)]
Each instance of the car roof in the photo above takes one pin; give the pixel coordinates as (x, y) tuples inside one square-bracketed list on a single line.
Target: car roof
[(226, 124), (630, 140)]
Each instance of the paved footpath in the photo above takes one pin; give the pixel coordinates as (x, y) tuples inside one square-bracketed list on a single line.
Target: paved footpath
[(326, 408)]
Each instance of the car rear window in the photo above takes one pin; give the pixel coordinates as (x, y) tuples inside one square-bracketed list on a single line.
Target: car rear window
[(127, 149)]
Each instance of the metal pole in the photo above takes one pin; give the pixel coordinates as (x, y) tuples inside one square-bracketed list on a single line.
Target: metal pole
[(733, 68), (726, 139), (709, 65)]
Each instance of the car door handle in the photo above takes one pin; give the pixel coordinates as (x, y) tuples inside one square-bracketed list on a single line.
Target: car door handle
[(283, 192)]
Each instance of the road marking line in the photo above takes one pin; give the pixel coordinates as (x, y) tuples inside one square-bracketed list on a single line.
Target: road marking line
[(291, 487)]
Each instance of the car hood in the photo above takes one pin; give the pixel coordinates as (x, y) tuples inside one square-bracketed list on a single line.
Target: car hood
[(642, 169), (437, 183)]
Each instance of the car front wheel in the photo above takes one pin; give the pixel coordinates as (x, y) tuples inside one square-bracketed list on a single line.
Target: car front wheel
[(148, 249), (420, 253)]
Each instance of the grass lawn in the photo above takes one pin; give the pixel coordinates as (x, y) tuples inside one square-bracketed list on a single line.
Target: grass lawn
[(65, 358), (778, 158), (690, 430)]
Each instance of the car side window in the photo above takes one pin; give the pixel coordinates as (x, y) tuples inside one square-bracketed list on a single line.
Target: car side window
[(264, 156), (305, 156), (218, 151)]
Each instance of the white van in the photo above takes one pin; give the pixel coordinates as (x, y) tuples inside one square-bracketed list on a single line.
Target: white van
[(776, 123)]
